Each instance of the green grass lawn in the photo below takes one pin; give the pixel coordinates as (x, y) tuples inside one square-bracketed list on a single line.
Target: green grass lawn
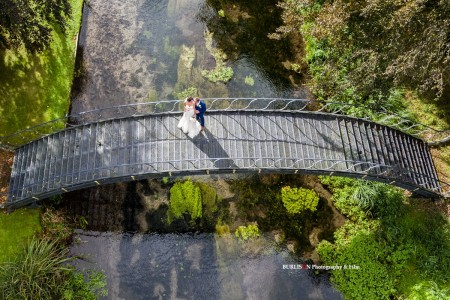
[(36, 88), (16, 229)]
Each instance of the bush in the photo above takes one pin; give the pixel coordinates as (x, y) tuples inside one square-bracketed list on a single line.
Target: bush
[(297, 200), (185, 197), (358, 198), (247, 232), (356, 245), (42, 272)]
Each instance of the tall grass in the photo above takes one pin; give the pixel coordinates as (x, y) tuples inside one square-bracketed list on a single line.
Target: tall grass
[(44, 272), (36, 275)]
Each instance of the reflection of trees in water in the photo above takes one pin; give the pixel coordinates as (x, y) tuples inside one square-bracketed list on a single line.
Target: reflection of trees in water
[(243, 31)]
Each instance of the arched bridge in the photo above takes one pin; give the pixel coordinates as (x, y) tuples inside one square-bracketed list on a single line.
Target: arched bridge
[(242, 135)]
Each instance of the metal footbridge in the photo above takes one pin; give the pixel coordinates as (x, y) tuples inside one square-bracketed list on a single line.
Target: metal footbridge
[(137, 141)]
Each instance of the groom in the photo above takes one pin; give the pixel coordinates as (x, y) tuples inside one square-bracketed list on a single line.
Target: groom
[(200, 108)]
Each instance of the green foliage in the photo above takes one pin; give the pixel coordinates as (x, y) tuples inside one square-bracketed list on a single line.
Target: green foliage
[(77, 287), (428, 290), (42, 80), (29, 23), (35, 274), (187, 92), (221, 13), (363, 50), (222, 74), (42, 272), (249, 80), (356, 245), (185, 197), (410, 245), (57, 226), (16, 229), (247, 232), (169, 50), (357, 198), (210, 200), (222, 229), (297, 200)]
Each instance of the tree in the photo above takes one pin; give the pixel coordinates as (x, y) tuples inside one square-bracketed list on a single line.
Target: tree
[(377, 44), (29, 23)]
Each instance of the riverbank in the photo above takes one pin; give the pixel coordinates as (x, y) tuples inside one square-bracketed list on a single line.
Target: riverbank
[(35, 88)]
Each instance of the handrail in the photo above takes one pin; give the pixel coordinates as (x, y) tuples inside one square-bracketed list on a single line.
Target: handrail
[(276, 163), (431, 135)]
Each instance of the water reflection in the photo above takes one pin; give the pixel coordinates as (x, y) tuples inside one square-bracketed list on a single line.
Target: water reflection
[(203, 266)]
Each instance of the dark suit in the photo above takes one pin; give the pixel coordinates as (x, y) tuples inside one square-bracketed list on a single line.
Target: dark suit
[(201, 107)]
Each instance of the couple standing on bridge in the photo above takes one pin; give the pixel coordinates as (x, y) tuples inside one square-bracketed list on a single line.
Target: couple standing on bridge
[(193, 122)]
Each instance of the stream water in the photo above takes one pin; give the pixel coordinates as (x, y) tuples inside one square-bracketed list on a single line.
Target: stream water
[(148, 50), (200, 266)]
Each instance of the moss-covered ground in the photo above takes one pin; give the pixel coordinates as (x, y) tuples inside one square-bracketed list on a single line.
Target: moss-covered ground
[(35, 88)]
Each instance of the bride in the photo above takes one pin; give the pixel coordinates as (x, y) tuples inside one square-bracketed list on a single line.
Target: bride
[(188, 123)]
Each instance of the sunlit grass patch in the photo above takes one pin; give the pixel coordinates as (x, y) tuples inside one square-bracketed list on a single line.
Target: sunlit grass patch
[(15, 231), (431, 113)]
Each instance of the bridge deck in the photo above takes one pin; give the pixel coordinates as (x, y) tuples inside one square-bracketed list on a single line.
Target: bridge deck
[(131, 148)]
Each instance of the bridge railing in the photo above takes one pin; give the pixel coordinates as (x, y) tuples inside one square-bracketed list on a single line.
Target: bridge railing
[(427, 133), (135, 171)]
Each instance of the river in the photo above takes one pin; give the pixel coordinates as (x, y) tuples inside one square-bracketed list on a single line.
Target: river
[(149, 50), (196, 266)]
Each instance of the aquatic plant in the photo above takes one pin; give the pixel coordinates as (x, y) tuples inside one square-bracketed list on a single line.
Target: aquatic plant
[(222, 229), (296, 200), (185, 197), (187, 92), (247, 232), (249, 80), (187, 56), (221, 72), (170, 50)]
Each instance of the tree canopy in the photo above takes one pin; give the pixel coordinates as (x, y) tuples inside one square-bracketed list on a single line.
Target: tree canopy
[(29, 23), (379, 43)]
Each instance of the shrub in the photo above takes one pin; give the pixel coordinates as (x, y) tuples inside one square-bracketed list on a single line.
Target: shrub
[(247, 232), (357, 245), (42, 272), (297, 200), (185, 197), (357, 198)]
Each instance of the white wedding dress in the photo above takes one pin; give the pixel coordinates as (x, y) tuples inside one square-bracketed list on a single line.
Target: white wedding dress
[(188, 123)]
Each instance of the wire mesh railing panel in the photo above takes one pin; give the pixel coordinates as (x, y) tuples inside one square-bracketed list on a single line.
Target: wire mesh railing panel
[(406, 125)]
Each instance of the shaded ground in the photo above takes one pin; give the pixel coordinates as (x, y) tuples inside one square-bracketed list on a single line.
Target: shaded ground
[(6, 161)]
